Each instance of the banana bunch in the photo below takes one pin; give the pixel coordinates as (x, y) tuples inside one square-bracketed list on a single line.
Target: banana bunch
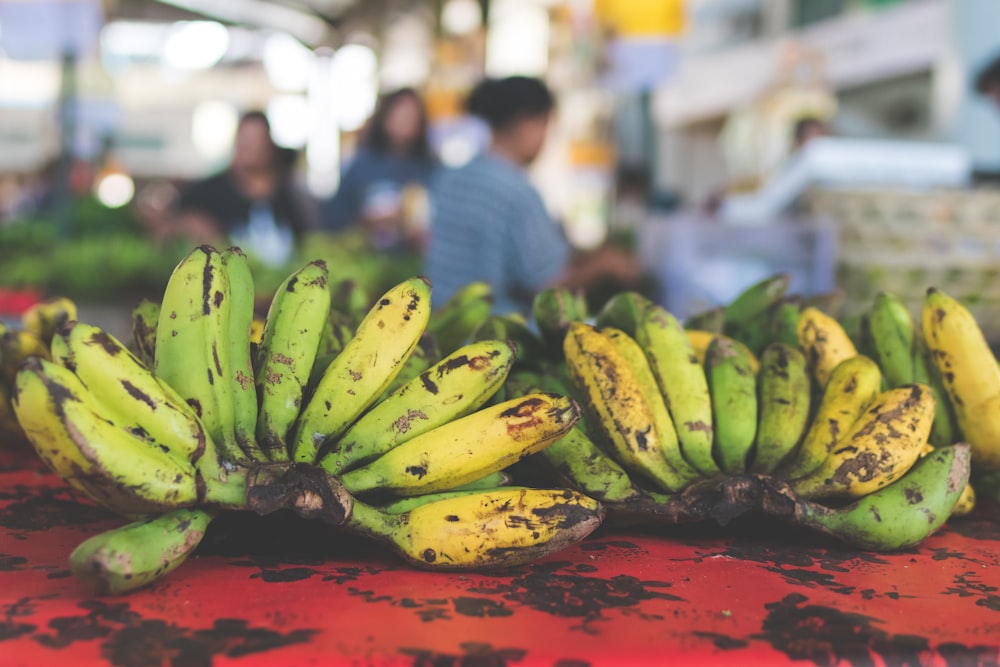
[(38, 325), (691, 424), (335, 420)]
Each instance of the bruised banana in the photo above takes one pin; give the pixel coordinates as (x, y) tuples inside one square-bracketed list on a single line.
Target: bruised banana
[(733, 387), (298, 314), (784, 406), (240, 373), (877, 450), (45, 319), (367, 365), (452, 388), (901, 514), (468, 448), (824, 342), (193, 349), (852, 388), (139, 553), (496, 528), (970, 374), (144, 323), (612, 392), (79, 439), (132, 396)]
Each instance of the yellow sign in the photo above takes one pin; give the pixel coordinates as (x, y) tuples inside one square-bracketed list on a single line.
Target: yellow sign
[(641, 18)]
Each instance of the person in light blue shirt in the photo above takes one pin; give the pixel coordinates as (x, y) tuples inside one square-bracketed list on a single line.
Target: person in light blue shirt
[(488, 221)]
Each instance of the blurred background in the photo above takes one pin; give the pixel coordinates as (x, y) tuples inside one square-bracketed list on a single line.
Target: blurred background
[(854, 143)]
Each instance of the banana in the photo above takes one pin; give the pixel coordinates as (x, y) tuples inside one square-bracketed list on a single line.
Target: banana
[(406, 504), (733, 388), (623, 311), (193, 347), (139, 553), (784, 406), (492, 481), (891, 330), (966, 502), (240, 375), (366, 366), (553, 310), (970, 374), (10, 430), (452, 388), (350, 299), (469, 448), (852, 388), (16, 345), (423, 356), (784, 324), (337, 333), (512, 327), (945, 430), (901, 514), (613, 392), (666, 433), (746, 314), (129, 392), (298, 314), (80, 441), (711, 320), (45, 318), (144, 323), (683, 384), (456, 320), (878, 449), (831, 303), (824, 342), (496, 528)]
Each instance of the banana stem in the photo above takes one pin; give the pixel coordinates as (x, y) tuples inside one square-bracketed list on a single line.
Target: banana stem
[(307, 489)]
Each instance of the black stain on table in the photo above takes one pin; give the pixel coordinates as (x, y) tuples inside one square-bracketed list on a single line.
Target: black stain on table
[(480, 607), (41, 508), (473, 654)]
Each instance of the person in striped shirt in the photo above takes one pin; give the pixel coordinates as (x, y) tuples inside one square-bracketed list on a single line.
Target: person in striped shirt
[(489, 223)]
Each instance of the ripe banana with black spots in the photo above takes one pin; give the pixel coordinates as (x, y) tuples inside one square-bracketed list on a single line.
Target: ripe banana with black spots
[(468, 448), (969, 372), (900, 514), (945, 430), (454, 323), (495, 528), (193, 347), (144, 322), (240, 375), (45, 318), (878, 448), (137, 554), (733, 388), (612, 392), (296, 320), (852, 388), (365, 368), (824, 342), (454, 387), (784, 402)]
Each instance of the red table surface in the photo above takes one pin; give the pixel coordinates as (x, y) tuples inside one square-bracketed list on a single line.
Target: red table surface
[(282, 591)]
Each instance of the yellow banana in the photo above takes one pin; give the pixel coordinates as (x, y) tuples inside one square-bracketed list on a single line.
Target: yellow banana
[(469, 448), (824, 342), (878, 449), (610, 387), (365, 367), (16, 345), (44, 319), (852, 388), (970, 374), (700, 340), (966, 502), (496, 528)]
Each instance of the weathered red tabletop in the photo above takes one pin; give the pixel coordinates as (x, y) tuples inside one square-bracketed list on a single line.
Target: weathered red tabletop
[(280, 591)]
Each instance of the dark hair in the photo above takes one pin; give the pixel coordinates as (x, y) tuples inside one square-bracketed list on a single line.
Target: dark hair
[(501, 102), (255, 115), (803, 125), (988, 77), (377, 139)]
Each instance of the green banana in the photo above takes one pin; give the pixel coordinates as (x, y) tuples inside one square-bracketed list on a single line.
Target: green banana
[(468, 448), (452, 388), (512, 327), (748, 311), (945, 430), (367, 365), (130, 394), (785, 322), (144, 322), (852, 388), (456, 320), (901, 514), (784, 406), (193, 351), (350, 299), (296, 319), (241, 372), (710, 320), (139, 553), (495, 528), (831, 303), (553, 310), (892, 334), (732, 385), (623, 311)]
